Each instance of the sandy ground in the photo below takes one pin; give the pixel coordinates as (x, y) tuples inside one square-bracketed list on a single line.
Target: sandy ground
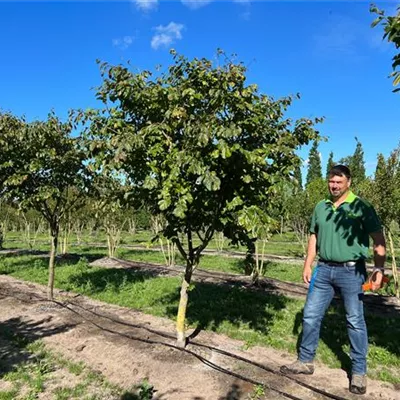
[(127, 346)]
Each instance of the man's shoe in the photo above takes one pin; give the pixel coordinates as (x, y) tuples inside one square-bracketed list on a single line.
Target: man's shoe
[(298, 367), (358, 384)]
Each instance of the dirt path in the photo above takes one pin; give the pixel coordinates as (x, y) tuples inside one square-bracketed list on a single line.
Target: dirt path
[(127, 346)]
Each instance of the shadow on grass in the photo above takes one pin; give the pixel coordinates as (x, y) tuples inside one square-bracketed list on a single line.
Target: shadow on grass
[(155, 256), (13, 262), (110, 279), (16, 334), (212, 305)]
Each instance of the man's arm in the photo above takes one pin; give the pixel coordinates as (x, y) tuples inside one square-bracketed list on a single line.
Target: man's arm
[(311, 253), (379, 247)]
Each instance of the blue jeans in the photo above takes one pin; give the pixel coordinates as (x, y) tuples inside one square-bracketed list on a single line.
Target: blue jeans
[(348, 281)]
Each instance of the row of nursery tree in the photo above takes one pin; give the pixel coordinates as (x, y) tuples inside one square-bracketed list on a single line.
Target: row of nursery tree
[(293, 204), (195, 145)]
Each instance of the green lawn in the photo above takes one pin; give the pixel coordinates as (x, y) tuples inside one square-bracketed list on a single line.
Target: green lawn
[(255, 317)]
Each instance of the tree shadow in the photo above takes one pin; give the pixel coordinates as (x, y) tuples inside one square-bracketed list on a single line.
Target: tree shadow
[(16, 334), (212, 305), (234, 393), (74, 258), (110, 278), (349, 221), (383, 331), (333, 333), (15, 262)]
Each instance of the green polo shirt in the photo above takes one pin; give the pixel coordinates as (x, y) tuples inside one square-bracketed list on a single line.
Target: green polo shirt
[(343, 232)]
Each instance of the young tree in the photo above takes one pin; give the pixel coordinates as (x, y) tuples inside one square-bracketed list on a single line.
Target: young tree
[(199, 145), (108, 209), (48, 174), (386, 198), (11, 137), (391, 26), (258, 225), (314, 164)]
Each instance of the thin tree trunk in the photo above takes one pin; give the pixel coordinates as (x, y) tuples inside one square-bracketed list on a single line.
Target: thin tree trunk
[(183, 301), (394, 266), (180, 321), (1, 236), (254, 275), (53, 252), (163, 252)]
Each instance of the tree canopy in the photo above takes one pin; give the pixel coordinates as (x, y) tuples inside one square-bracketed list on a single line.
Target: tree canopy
[(197, 144), (391, 27)]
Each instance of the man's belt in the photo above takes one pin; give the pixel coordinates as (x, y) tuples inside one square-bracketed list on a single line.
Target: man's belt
[(338, 264)]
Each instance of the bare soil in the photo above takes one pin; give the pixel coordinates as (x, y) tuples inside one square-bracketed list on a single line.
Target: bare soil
[(127, 346)]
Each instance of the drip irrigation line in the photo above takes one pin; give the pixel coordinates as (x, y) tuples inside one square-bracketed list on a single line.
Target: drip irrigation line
[(209, 363)]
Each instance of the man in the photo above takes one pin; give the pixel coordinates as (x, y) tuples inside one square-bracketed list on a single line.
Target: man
[(340, 230)]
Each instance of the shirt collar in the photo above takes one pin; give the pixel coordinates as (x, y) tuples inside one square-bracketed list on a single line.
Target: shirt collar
[(349, 198)]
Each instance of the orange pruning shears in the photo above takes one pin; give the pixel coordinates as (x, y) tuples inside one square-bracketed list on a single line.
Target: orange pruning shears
[(368, 285)]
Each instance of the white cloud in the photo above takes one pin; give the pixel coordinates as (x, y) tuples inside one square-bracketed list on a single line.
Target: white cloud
[(246, 15), (247, 6), (124, 42), (166, 35), (340, 36), (146, 5), (343, 35), (195, 4)]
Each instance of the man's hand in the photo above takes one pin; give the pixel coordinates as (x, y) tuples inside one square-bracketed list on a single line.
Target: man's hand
[(376, 280), (307, 272), (311, 253)]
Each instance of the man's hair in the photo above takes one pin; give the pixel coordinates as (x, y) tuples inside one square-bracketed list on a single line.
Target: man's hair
[(340, 170)]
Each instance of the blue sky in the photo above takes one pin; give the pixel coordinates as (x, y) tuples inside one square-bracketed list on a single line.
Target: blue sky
[(326, 51)]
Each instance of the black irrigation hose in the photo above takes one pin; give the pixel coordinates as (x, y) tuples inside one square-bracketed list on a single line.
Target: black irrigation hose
[(212, 365), (202, 359), (166, 335)]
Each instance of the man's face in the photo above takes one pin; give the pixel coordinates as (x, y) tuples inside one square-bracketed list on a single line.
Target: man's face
[(338, 185)]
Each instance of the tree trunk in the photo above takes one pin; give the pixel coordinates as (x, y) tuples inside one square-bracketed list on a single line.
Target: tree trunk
[(1, 237), (180, 321), (53, 252), (394, 266), (66, 237)]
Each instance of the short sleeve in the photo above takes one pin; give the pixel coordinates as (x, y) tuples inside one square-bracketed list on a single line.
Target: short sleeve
[(370, 219), (313, 224)]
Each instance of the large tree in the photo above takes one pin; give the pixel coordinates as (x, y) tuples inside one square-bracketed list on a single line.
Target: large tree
[(357, 164), (46, 171), (314, 171), (330, 164), (298, 178), (199, 145), (391, 26)]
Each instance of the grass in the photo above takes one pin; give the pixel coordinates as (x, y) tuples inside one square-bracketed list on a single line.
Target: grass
[(255, 317), (37, 372)]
